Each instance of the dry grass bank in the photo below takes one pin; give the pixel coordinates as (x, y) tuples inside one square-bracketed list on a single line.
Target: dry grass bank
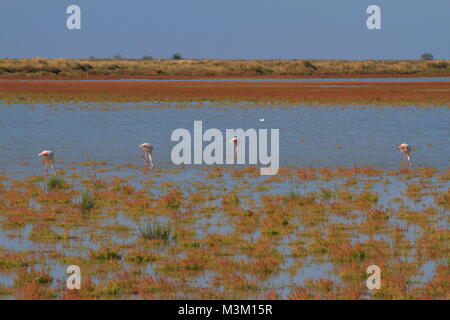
[(104, 68)]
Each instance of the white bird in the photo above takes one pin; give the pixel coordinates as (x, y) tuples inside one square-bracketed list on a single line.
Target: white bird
[(405, 149), (147, 149), (47, 157), (262, 120)]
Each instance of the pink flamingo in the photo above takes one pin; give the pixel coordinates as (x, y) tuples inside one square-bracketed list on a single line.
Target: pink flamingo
[(47, 157), (234, 141), (147, 149), (405, 149)]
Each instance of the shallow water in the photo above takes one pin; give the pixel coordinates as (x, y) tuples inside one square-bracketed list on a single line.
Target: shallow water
[(309, 136), (218, 223), (303, 79)]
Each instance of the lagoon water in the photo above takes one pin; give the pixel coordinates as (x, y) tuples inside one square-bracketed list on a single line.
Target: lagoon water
[(309, 136), (390, 79), (322, 136), (337, 80)]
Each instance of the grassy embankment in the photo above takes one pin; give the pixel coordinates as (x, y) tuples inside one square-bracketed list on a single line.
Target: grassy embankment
[(106, 68)]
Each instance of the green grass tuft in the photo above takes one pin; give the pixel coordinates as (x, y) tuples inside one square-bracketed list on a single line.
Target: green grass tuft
[(156, 231), (87, 202), (55, 183)]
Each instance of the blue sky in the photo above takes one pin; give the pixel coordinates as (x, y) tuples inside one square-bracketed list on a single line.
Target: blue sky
[(227, 29)]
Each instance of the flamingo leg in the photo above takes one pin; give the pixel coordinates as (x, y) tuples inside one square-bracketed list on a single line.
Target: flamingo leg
[(46, 169), (147, 159), (53, 167), (409, 159), (150, 159), (144, 156)]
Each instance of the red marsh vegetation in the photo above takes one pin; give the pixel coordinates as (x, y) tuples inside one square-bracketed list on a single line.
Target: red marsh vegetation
[(316, 93)]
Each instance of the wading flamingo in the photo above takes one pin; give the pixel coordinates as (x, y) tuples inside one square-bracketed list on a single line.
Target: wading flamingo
[(47, 158), (147, 150), (234, 141), (405, 149)]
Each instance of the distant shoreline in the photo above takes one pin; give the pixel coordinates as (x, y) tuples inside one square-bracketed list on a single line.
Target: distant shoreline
[(109, 69)]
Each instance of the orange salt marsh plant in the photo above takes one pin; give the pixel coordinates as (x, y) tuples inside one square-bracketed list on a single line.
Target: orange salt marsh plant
[(11, 260), (314, 289), (437, 287), (443, 199), (222, 241), (414, 190), (139, 256), (152, 287), (197, 198), (45, 232), (32, 285), (306, 174), (247, 221), (172, 200), (317, 93), (427, 172), (413, 217), (376, 214), (434, 243), (224, 265), (238, 285), (195, 261), (214, 173), (341, 208), (264, 267), (444, 176), (277, 224), (106, 254), (363, 251), (250, 171), (396, 279), (230, 200)]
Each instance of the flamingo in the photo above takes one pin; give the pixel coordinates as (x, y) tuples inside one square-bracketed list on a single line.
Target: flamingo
[(405, 149), (234, 141), (147, 149), (47, 157)]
